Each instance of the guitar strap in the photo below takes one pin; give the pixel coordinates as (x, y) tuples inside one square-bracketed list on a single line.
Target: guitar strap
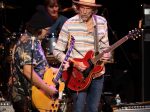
[(96, 46)]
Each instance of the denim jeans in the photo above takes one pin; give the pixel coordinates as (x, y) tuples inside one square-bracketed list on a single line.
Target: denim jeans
[(88, 101)]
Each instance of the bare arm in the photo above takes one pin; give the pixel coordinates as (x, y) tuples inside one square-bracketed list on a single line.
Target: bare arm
[(37, 81)]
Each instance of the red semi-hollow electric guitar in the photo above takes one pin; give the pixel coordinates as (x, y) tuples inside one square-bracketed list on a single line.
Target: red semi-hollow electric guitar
[(79, 81)]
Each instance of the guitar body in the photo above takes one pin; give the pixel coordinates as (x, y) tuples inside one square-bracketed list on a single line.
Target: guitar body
[(41, 101), (77, 80)]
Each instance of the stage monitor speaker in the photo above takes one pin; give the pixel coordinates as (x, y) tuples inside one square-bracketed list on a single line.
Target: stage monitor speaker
[(132, 110), (133, 107), (145, 65), (6, 106)]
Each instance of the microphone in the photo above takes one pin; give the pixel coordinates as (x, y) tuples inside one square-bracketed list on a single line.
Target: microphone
[(72, 8), (32, 39)]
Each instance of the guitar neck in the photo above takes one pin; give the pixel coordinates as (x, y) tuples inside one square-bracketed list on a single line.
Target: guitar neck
[(59, 74), (110, 49)]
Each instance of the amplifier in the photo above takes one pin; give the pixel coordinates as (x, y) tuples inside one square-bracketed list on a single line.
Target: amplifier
[(146, 18), (133, 107), (6, 106)]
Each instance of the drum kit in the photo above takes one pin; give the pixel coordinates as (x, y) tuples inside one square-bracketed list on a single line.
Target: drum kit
[(48, 45), (9, 38), (6, 36)]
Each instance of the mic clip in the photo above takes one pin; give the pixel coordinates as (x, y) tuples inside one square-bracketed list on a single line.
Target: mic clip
[(32, 42)]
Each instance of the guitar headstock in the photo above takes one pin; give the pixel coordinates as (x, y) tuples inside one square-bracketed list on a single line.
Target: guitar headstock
[(134, 34), (71, 41)]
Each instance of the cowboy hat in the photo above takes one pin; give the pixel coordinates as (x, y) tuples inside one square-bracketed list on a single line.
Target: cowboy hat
[(87, 3)]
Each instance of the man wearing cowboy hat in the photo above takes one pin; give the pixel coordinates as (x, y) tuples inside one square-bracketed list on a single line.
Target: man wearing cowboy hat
[(90, 33)]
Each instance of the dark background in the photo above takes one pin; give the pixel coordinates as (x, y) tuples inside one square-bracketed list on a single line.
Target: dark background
[(124, 75)]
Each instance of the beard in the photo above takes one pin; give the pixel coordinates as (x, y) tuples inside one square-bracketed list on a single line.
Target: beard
[(86, 18)]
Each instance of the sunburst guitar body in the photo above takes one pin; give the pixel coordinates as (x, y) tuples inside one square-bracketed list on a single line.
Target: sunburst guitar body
[(41, 101)]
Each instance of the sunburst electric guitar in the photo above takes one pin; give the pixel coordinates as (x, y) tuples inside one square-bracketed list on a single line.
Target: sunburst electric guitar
[(41, 101), (79, 81)]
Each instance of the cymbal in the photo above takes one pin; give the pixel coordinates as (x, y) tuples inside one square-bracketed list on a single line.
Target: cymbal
[(7, 6), (67, 9)]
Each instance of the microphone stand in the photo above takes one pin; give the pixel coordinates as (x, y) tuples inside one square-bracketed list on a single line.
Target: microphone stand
[(32, 65), (32, 57)]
